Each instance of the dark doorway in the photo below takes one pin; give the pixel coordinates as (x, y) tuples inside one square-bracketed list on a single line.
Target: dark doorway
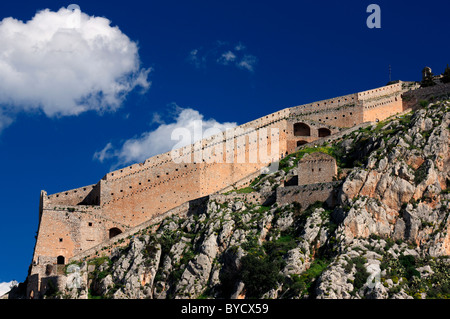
[(299, 143), (60, 260), (302, 129), (113, 232), (324, 132)]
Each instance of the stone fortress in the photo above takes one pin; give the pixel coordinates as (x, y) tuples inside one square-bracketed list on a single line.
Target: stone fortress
[(76, 221)]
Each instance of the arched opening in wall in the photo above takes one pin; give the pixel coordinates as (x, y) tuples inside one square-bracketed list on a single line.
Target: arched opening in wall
[(302, 129), (60, 260), (113, 232), (324, 132), (299, 143)]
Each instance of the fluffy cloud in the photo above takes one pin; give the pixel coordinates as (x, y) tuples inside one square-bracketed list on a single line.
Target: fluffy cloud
[(223, 54), (65, 63), (160, 140)]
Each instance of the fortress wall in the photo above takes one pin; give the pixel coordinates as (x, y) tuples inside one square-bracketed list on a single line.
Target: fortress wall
[(307, 194), (412, 98), (268, 119), (86, 194), (316, 171), (347, 110), (341, 116), (141, 194), (149, 225), (253, 198), (161, 159), (380, 92), (148, 164), (67, 231), (53, 226), (340, 134), (249, 156), (342, 111), (328, 105), (382, 107), (244, 182)]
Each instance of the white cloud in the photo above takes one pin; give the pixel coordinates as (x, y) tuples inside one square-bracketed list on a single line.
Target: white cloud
[(6, 286), (160, 140), (239, 47), (65, 63), (103, 154), (247, 62), (225, 54), (196, 59), (226, 58)]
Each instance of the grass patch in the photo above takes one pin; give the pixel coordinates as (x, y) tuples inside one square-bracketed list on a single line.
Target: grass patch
[(302, 284)]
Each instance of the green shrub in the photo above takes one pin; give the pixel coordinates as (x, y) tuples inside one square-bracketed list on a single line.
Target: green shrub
[(259, 274), (424, 103), (361, 274), (420, 174), (409, 263), (446, 75), (277, 249)]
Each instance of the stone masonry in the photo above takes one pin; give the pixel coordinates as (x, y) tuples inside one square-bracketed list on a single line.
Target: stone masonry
[(316, 168)]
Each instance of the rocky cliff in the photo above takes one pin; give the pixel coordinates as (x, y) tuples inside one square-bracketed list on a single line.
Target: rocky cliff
[(387, 236)]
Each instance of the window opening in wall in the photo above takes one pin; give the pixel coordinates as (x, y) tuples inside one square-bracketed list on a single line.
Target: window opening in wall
[(60, 260), (60, 240), (90, 224)]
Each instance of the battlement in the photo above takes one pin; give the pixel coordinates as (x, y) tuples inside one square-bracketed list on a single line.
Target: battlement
[(396, 88), (86, 195)]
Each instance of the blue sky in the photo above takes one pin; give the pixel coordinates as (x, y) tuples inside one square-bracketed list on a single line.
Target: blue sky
[(71, 117)]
